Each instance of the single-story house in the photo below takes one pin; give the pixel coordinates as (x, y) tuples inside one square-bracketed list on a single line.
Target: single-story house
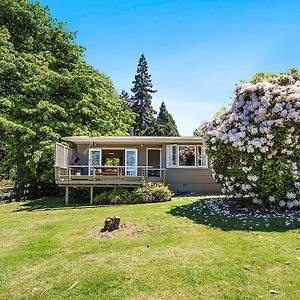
[(109, 161)]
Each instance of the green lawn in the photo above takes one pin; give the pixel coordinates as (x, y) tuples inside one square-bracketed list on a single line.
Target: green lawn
[(45, 248)]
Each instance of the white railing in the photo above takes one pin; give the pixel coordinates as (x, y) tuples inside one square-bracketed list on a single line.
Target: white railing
[(85, 171)]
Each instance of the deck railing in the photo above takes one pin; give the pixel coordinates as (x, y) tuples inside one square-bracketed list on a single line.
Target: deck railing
[(86, 172)]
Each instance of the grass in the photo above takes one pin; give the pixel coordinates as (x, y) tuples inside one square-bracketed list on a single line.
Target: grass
[(45, 248)]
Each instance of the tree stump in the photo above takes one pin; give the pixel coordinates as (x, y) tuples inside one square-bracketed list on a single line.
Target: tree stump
[(111, 224)]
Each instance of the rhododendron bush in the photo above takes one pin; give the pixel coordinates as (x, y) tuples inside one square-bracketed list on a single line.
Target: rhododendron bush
[(254, 146)]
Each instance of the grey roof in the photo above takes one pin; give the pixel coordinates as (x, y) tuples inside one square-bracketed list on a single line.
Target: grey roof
[(133, 139)]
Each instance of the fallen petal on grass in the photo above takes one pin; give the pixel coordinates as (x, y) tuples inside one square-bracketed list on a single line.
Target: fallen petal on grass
[(248, 268), (73, 285), (273, 292)]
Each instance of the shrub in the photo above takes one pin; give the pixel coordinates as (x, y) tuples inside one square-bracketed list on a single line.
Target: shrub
[(121, 196), (152, 193), (254, 146), (118, 196), (143, 194)]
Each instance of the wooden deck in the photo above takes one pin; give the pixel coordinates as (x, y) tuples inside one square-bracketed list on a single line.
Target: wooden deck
[(99, 180)]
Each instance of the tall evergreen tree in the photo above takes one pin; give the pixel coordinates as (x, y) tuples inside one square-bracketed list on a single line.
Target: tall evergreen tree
[(166, 125), (125, 96), (126, 99), (141, 104)]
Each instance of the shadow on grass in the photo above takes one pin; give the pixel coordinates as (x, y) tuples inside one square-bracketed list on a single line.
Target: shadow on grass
[(51, 203), (200, 213)]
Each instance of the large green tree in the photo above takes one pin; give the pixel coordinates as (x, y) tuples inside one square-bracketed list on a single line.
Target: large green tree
[(125, 97), (141, 101), (47, 91), (166, 125)]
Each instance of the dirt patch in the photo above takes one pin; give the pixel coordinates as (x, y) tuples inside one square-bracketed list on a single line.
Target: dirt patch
[(125, 230)]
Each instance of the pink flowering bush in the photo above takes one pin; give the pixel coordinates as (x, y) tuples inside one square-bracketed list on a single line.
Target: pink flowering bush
[(254, 147)]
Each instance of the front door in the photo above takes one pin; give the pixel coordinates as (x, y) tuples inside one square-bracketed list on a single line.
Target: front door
[(131, 162), (94, 159)]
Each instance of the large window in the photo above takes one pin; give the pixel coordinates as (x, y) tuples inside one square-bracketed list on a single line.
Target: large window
[(186, 156)]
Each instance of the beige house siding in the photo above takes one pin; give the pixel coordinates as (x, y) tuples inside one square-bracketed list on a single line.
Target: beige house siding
[(198, 180), (83, 151)]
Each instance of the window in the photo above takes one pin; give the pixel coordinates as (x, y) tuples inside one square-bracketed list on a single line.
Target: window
[(202, 157), (187, 156), (174, 155)]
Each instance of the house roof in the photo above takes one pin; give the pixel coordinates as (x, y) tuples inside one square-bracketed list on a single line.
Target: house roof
[(133, 139)]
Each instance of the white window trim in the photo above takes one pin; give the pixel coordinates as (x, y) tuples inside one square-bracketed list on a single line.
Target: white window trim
[(202, 149), (89, 159), (136, 158), (169, 158), (197, 147)]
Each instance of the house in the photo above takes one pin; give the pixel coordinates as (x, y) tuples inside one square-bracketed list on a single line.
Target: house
[(110, 161)]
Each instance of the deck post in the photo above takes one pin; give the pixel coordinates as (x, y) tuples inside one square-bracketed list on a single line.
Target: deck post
[(67, 196), (91, 195)]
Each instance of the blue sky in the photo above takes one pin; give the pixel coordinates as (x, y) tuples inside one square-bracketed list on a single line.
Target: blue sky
[(197, 50)]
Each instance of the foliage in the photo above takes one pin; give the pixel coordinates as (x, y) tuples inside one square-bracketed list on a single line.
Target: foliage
[(166, 125), (147, 193), (255, 147), (221, 112), (199, 131), (4, 170), (47, 91), (6, 182), (117, 196), (140, 103), (125, 97)]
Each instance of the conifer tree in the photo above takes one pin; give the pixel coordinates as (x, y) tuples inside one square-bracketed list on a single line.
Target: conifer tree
[(141, 104), (126, 99), (166, 125), (124, 96)]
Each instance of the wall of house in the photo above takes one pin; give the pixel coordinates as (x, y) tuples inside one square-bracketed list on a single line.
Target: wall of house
[(198, 180), (83, 152)]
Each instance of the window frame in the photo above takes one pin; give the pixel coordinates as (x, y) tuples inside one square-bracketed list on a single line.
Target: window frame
[(202, 152), (198, 149)]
